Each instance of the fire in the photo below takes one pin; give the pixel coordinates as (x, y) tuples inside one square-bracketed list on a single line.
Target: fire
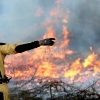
[(50, 33), (69, 51), (47, 69), (39, 59), (96, 68), (90, 60), (74, 69), (55, 61), (65, 41)]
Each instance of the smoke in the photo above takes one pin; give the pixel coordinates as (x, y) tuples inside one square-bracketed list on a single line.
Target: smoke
[(83, 21), (20, 21), (84, 24), (31, 20)]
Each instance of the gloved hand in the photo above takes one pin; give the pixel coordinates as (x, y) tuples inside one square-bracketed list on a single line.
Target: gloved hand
[(48, 41)]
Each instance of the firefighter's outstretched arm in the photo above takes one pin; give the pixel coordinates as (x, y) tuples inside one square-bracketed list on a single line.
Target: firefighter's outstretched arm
[(19, 48), (35, 44)]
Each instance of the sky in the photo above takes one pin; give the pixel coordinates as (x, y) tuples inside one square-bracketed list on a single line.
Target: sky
[(30, 20)]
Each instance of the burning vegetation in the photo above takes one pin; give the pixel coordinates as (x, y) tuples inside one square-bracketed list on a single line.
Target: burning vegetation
[(56, 72)]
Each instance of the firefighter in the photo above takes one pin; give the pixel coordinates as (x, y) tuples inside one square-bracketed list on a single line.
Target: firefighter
[(6, 49)]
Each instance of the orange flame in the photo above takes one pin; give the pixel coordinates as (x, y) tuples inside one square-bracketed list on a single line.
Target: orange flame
[(74, 69), (46, 69), (66, 40), (47, 61), (50, 32), (90, 60)]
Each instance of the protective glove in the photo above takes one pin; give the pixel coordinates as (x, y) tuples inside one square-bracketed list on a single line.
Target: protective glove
[(48, 41)]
